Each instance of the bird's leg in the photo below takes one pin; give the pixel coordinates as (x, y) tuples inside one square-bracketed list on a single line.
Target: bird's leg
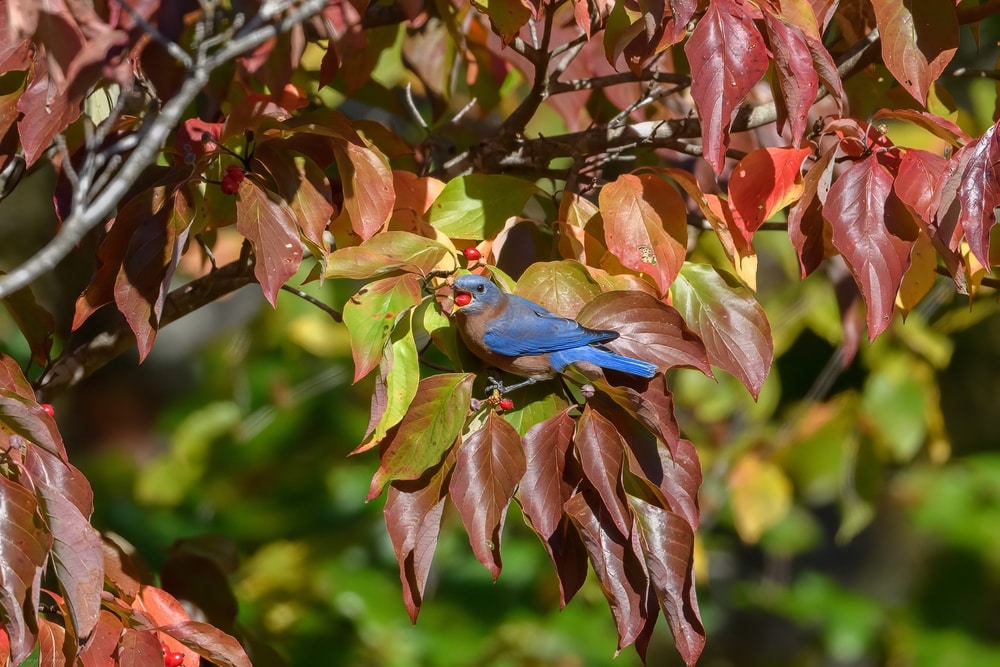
[(493, 385)]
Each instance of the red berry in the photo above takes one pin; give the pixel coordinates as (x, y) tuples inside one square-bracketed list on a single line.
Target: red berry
[(463, 298), (175, 659), (472, 254), (506, 404), (164, 648), (236, 173), (48, 409), (229, 186)]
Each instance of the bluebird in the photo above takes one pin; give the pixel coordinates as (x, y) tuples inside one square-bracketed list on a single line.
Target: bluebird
[(520, 337)]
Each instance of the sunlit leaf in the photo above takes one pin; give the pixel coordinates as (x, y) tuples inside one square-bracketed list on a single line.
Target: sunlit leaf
[(367, 182), (728, 57), (429, 429), (729, 320), (919, 39), (874, 232), (489, 464), (399, 374), (139, 648), (371, 314), (385, 253), (764, 182), (645, 225), (561, 287), (936, 125), (208, 641), (269, 224), (979, 191), (477, 206)]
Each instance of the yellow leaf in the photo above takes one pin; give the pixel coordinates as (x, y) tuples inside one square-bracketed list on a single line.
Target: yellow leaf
[(760, 495)]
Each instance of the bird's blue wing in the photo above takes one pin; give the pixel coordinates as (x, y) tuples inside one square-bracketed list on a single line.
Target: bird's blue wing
[(527, 328)]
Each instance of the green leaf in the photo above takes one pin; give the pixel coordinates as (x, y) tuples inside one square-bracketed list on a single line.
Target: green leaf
[(400, 373), (384, 253), (729, 321), (562, 287), (371, 314), (478, 205), (429, 429)]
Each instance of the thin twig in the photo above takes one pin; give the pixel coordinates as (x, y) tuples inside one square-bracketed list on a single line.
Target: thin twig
[(332, 312)]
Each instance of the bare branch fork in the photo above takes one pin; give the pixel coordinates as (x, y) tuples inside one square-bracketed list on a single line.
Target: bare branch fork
[(275, 17)]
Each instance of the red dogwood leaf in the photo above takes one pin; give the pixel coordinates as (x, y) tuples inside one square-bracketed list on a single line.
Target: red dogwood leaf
[(269, 223), (874, 232), (489, 464), (764, 182), (601, 451), (807, 229), (979, 192), (797, 77), (728, 57), (918, 41)]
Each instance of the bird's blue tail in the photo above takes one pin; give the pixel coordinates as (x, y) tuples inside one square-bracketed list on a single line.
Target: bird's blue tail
[(598, 357)]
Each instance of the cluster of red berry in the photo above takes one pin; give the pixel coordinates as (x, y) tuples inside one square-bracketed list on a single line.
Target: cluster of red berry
[(231, 180), (171, 658)]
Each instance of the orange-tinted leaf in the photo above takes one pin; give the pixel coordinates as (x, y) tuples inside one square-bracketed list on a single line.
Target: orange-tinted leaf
[(648, 329), (269, 224), (764, 182), (429, 429), (979, 191), (489, 465), (645, 225), (874, 232), (303, 185), (371, 314), (601, 451), (728, 57), (936, 125), (101, 647), (919, 39), (139, 648), (413, 512), (384, 253), (367, 182), (667, 543), (208, 641), (52, 647), (729, 320)]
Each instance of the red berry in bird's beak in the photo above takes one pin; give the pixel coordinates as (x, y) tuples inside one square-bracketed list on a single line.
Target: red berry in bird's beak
[(472, 254), (463, 299)]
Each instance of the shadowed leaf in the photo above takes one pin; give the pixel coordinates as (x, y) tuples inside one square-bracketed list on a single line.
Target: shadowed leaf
[(25, 418), (649, 329), (24, 546), (729, 320), (429, 429), (139, 648), (667, 543), (413, 512), (601, 451), (807, 229), (490, 462), (618, 570), (102, 645)]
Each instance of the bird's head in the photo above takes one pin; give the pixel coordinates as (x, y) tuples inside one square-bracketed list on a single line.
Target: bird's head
[(473, 293)]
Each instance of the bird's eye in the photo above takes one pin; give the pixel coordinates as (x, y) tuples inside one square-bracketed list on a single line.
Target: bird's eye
[(480, 288)]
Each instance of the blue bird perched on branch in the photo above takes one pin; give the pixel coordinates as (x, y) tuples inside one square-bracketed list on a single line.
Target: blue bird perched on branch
[(520, 337)]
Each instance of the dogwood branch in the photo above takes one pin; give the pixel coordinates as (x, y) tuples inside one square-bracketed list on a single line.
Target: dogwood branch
[(276, 16)]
